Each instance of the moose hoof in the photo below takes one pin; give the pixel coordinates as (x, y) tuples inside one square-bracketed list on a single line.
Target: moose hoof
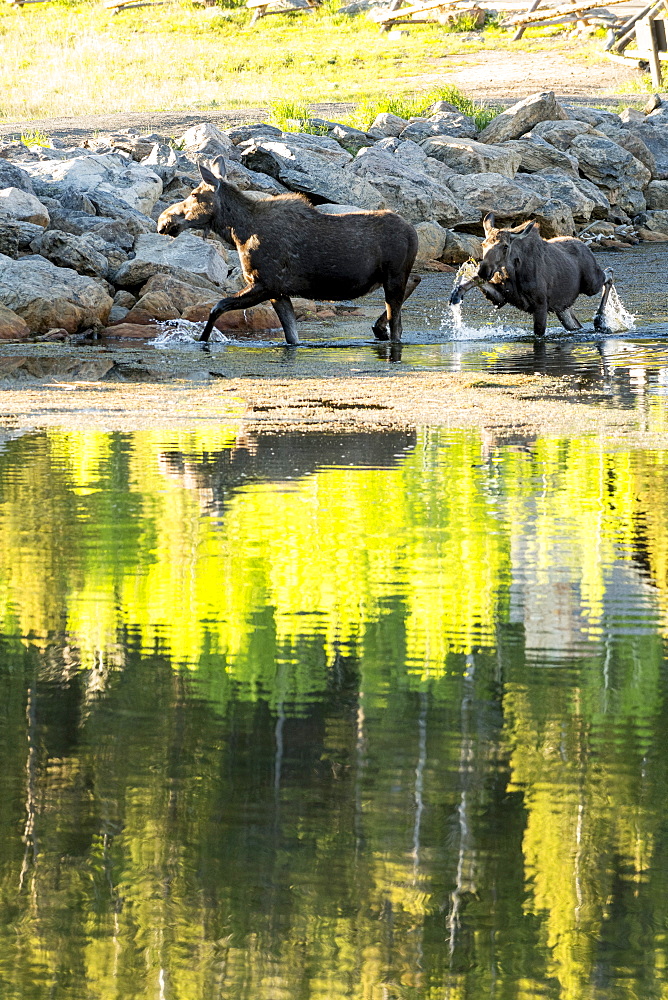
[(380, 334)]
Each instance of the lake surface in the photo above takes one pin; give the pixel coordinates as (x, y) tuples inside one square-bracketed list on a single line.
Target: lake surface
[(377, 716)]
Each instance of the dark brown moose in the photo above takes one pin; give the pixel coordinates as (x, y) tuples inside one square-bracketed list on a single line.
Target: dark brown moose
[(537, 276), (289, 248)]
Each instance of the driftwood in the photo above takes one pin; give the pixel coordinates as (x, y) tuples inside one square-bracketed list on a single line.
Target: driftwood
[(552, 13)]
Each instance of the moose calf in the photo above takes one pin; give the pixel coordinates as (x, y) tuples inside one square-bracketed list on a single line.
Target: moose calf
[(536, 275), (288, 248)]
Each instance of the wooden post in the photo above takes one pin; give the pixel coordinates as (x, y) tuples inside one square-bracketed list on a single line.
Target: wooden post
[(395, 5), (522, 28), (654, 63)]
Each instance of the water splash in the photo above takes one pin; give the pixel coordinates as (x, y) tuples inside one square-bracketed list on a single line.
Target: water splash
[(616, 316), (459, 330), (183, 331)]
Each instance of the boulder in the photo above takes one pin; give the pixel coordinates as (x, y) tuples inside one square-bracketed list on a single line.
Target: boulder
[(12, 326), (12, 176), (110, 174), (163, 161), (184, 254), (46, 296), (385, 125), (252, 180), (310, 171), (123, 303), (560, 134), (522, 117), (656, 194), (508, 199), (431, 241), (656, 221), (407, 188), (205, 142), (16, 152), (460, 247), (555, 218), (16, 236), (630, 115), (456, 125), (350, 139), (152, 307), (242, 133), (25, 207), (631, 142), (656, 140), (260, 317), (86, 254), (612, 168), (181, 295), (536, 154), (591, 116), (466, 156), (111, 230), (581, 196)]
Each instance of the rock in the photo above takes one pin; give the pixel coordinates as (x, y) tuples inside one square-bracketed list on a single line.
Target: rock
[(12, 326), (658, 117), (652, 104), (466, 156), (46, 296), (310, 172), (555, 219), (560, 134), (12, 176), (350, 139), (152, 306), (460, 247), (163, 161), (632, 143), (260, 317), (656, 194), (612, 168), (110, 174), (656, 221), (536, 154), (252, 180), (521, 117), (431, 241), (581, 196), (25, 207), (242, 133), (329, 209), (205, 142), (112, 231), (407, 187), (591, 116), (385, 125), (86, 254), (16, 152), (123, 303), (631, 115), (16, 236), (508, 199), (186, 253), (180, 294), (456, 125), (656, 140)]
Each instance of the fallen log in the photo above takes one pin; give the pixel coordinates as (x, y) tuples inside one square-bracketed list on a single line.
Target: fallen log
[(554, 12)]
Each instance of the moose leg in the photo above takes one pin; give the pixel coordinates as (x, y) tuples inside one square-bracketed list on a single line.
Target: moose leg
[(568, 320), (286, 314), (540, 320), (242, 300), (380, 326), (599, 319)]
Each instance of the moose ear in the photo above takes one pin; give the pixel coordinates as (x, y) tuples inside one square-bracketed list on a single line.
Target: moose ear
[(214, 175), (524, 232), (488, 223)]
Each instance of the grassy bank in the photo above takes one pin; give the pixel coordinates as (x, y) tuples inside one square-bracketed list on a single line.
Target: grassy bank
[(69, 58)]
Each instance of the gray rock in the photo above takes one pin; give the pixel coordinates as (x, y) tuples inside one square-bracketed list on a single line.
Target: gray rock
[(581, 196), (658, 117), (242, 133), (610, 167), (656, 140), (656, 194), (431, 241), (86, 254), (16, 152), (555, 218), (460, 247), (508, 199), (386, 125), (591, 116), (522, 117), (252, 180), (408, 189), (329, 209), (656, 220), (12, 175), (631, 142), (363, 6), (536, 154), (630, 115), (25, 207), (310, 172), (457, 126), (440, 106), (350, 139), (466, 156), (114, 208), (46, 296), (206, 142), (560, 134), (163, 161), (112, 175), (186, 255), (16, 237)]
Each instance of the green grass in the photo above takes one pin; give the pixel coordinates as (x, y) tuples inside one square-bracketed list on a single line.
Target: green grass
[(417, 105), (73, 57)]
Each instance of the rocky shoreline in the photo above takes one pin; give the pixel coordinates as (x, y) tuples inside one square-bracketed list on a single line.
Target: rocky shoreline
[(80, 256)]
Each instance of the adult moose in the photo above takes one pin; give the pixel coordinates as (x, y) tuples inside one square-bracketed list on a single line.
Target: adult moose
[(537, 276), (289, 248)]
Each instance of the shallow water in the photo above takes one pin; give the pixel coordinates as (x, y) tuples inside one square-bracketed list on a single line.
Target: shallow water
[(362, 716)]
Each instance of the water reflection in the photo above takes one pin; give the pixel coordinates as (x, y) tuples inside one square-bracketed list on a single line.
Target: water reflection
[(366, 716)]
